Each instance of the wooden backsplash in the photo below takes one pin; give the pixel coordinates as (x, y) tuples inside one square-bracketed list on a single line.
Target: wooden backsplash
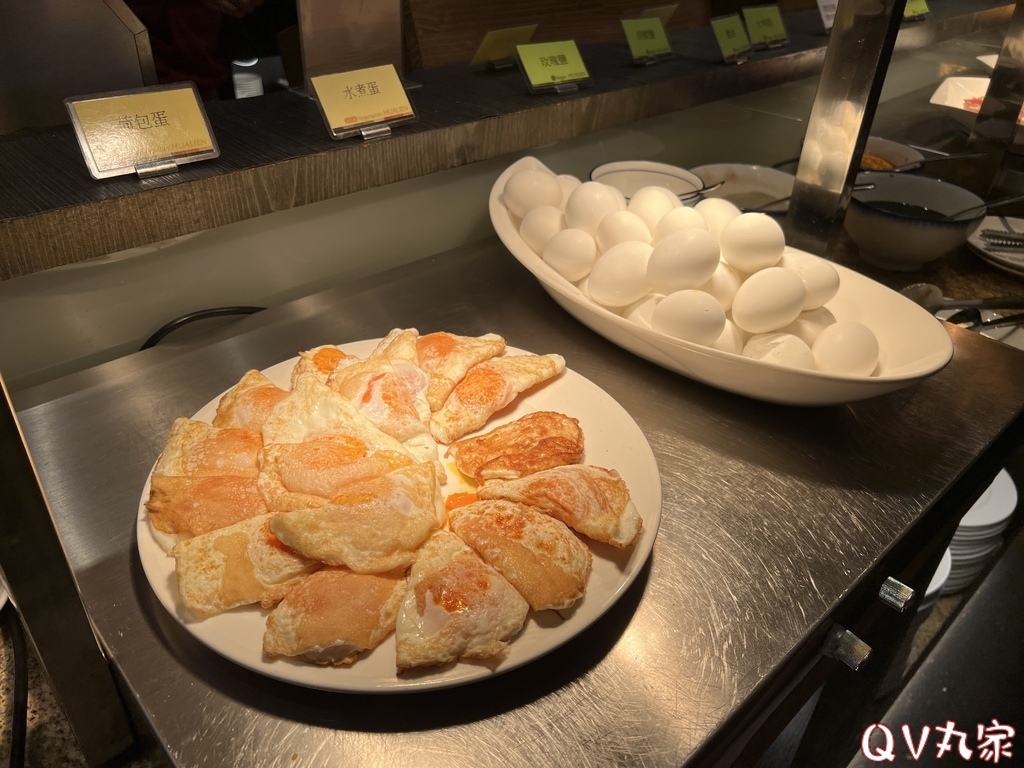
[(444, 32)]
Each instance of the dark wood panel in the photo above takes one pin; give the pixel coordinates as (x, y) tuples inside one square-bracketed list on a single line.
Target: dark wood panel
[(276, 154)]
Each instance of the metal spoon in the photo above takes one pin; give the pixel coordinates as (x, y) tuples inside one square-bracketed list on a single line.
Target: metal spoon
[(971, 318), (926, 160), (985, 206), (930, 297), (770, 203)]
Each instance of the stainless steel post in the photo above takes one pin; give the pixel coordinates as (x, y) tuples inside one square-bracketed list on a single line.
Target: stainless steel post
[(46, 595), (852, 75), (995, 130)]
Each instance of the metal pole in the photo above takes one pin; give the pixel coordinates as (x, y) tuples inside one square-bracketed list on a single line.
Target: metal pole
[(44, 590), (852, 75)]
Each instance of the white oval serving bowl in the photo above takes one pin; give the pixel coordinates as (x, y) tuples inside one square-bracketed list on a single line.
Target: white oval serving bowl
[(914, 345)]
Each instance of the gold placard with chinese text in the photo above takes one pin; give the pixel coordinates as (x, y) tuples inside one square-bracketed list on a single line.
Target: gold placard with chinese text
[(121, 132)]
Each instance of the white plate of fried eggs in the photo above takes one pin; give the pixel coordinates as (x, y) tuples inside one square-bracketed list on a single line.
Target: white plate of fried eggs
[(611, 439)]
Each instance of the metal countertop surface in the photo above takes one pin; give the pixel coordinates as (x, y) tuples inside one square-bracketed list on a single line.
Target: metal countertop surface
[(774, 519)]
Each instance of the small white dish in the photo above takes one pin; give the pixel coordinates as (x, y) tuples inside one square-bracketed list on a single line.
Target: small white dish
[(748, 186), (891, 151), (628, 176), (989, 60), (914, 345)]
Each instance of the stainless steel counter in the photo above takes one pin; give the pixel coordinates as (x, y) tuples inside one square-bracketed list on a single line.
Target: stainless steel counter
[(778, 523)]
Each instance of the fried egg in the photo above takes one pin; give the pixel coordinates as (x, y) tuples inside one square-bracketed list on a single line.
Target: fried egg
[(446, 357), (247, 404), (308, 475), (180, 507), (238, 565), (487, 388), (195, 449), (539, 555), (536, 441), (370, 527), (456, 607), (591, 500), (333, 615)]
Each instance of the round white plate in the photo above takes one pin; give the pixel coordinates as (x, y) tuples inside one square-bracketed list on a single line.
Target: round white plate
[(612, 440), (995, 504), (1011, 261), (914, 344)]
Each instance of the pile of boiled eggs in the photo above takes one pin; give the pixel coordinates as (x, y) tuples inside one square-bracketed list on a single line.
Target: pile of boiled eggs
[(708, 274)]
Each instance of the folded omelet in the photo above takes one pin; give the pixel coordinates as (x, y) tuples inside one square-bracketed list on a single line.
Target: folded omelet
[(446, 357), (247, 404)]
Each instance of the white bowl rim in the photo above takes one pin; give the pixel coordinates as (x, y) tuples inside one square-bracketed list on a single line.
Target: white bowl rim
[(651, 166)]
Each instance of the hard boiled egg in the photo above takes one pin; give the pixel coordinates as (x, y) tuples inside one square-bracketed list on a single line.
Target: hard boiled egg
[(590, 202), (731, 339), (809, 324), (768, 300), (752, 241), (620, 226), (820, 278), (528, 189), (779, 349), (539, 225), (640, 312), (686, 258), (568, 183), (723, 284), (691, 315), (619, 276), (846, 347), (683, 217), (571, 253), (717, 212), (651, 204)]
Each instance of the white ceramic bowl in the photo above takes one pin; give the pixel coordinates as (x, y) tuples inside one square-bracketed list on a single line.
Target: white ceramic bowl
[(628, 176), (748, 186), (901, 241), (914, 345), (891, 151), (954, 92)]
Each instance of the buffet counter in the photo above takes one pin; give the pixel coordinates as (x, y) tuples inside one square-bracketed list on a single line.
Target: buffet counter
[(779, 525)]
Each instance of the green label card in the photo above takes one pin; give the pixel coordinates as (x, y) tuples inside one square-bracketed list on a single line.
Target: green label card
[(915, 9), (765, 27), (646, 38), (731, 36), (498, 44), (551, 64)]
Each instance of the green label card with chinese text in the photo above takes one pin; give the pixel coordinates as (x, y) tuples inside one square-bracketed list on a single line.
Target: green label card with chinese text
[(646, 38), (551, 64), (915, 9), (764, 26), (731, 36)]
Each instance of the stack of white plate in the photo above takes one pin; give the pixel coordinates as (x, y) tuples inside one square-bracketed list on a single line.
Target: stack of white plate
[(979, 534)]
